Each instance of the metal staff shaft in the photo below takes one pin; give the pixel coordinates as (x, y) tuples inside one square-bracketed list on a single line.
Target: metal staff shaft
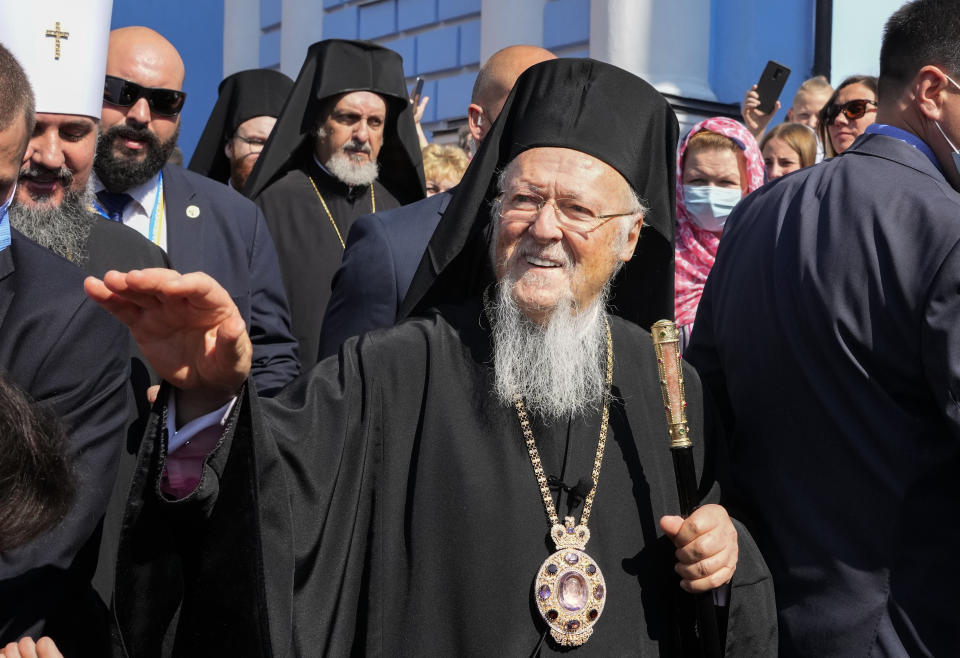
[(666, 341)]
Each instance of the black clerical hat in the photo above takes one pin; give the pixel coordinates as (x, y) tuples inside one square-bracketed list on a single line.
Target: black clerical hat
[(588, 106), (337, 66), (242, 96)]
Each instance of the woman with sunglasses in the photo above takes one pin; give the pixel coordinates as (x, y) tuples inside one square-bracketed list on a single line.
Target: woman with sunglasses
[(851, 108), (718, 164)]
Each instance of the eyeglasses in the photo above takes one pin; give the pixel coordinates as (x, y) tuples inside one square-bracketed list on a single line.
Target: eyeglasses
[(853, 110), (123, 93), (254, 144), (524, 205)]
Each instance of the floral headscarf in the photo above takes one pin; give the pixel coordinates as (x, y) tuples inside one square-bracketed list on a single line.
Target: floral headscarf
[(695, 247)]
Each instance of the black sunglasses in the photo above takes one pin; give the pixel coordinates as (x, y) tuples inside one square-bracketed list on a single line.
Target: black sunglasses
[(853, 110), (165, 102)]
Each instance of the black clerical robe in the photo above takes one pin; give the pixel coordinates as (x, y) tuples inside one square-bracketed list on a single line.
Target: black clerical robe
[(385, 504), (308, 245)]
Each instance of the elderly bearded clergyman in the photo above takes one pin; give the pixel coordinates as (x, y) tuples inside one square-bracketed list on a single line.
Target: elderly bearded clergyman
[(401, 498)]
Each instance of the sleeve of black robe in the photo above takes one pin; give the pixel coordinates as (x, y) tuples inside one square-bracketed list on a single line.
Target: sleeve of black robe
[(263, 521)]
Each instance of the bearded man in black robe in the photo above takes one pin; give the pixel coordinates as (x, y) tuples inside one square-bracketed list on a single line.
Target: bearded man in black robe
[(247, 107), (345, 145), (396, 498)]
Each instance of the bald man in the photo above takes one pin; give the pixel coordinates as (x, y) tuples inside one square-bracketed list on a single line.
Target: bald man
[(201, 224), (384, 249)]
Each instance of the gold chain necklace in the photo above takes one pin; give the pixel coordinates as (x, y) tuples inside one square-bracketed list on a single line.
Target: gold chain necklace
[(569, 589), (373, 208)]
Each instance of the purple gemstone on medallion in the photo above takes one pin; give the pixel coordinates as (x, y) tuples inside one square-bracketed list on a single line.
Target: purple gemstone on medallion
[(591, 569), (571, 558), (572, 591), (592, 615), (581, 533), (570, 531), (598, 592), (551, 569), (573, 625), (552, 615), (544, 592)]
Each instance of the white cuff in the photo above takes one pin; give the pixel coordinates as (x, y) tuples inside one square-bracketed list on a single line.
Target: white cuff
[(177, 438)]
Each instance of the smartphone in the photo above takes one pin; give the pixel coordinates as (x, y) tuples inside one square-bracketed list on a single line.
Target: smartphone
[(771, 84), (417, 92)]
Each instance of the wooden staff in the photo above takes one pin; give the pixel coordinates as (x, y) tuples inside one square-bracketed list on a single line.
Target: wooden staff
[(666, 341)]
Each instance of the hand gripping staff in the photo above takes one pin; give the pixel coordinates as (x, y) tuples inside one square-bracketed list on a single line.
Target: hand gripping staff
[(666, 340)]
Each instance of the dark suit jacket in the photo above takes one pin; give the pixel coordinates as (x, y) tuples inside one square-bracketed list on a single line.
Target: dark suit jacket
[(229, 240), (66, 352), (382, 255), (829, 337), (114, 246)]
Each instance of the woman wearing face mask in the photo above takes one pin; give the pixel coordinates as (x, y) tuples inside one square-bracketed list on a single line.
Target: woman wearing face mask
[(718, 163)]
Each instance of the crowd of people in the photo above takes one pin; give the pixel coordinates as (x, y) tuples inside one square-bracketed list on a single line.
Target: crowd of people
[(336, 390)]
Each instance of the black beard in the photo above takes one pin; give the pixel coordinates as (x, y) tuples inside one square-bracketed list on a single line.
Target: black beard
[(119, 173), (62, 229)]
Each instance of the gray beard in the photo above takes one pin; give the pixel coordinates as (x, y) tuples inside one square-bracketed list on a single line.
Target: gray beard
[(351, 173), (62, 229), (559, 370)]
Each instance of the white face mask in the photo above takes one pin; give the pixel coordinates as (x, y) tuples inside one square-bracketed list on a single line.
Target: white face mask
[(956, 152), (709, 206)]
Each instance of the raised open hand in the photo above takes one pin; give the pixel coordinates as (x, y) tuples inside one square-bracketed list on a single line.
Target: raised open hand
[(186, 325)]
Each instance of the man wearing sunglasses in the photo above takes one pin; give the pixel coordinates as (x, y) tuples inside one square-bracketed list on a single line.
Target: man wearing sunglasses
[(201, 224), (829, 337)]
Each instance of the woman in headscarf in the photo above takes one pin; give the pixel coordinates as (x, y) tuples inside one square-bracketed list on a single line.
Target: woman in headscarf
[(718, 164)]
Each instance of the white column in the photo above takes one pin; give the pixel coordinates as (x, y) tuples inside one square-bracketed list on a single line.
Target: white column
[(241, 35), (667, 43), (508, 23), (302, 25)]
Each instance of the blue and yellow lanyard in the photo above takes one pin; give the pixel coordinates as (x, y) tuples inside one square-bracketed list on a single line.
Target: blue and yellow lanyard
[(157, 215)]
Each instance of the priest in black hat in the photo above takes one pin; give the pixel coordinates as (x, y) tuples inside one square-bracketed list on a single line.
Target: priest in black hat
[(345, 145), (247, 108), (407, 496)]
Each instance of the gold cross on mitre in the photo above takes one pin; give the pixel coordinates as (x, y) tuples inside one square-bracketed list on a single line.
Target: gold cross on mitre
[(57, 34)]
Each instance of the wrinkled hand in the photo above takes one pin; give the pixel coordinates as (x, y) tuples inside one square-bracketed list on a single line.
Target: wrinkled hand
[(755, 120), (707, 547), (27, 648), (187, 326)]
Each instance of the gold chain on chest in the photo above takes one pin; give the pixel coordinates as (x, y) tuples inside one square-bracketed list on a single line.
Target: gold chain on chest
[(373, 208)]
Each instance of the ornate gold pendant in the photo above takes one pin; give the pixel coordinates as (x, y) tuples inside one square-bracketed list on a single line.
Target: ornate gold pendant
[(569, 588)]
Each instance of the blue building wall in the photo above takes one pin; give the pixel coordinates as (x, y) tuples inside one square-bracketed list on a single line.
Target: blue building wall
[(438, 39), (745, 34), (196, 31)]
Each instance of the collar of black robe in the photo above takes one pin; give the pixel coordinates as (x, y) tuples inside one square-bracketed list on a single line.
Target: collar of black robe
[(242, 96), (588, 106), (337, 66)]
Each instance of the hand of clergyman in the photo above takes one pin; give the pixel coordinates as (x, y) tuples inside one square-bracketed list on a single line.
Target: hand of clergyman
[(707, 548), (187, 326)]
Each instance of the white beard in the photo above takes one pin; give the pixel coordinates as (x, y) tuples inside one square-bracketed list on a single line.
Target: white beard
[(560, 369), (352, 173)]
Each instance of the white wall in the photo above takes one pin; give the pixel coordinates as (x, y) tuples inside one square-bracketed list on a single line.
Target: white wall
[(857, 33)]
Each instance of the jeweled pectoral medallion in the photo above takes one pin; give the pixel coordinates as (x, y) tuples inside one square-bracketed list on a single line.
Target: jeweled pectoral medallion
[(569, 588)]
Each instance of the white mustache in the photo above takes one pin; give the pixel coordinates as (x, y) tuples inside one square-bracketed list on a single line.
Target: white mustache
[(357, 147)]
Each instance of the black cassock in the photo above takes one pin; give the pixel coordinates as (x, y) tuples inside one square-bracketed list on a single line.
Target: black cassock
[(384, 504), (307, 244)]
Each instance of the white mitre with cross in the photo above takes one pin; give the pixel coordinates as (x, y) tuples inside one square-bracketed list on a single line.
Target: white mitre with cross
[(62, 45)]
